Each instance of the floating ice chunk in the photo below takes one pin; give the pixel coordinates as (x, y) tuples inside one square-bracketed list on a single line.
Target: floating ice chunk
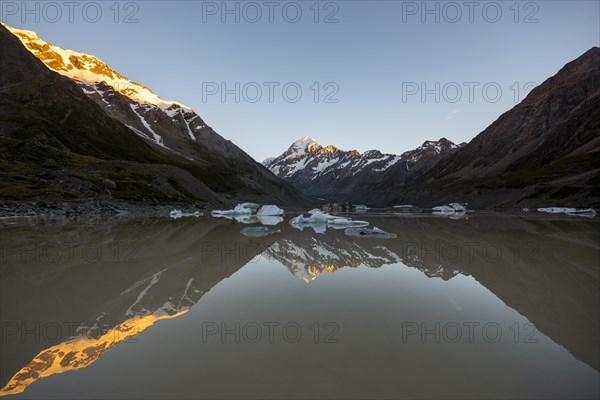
[(443, 210), (588, 212), (270, 210), (347, 222), (557, 210), (360, 207), (314, 211), (321, 217), (178, 214), (251, 206), (375, 232), (324, 220), (269, 219), (404, 206), (300, 219), (257, 231), (240, 209), (458, 207)]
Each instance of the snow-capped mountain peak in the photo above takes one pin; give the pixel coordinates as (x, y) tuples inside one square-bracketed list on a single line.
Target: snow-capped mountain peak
[(321, 171), (88, 69), (167, 124)]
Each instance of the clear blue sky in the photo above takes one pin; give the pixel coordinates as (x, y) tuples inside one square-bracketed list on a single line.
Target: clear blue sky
[(375, 55)]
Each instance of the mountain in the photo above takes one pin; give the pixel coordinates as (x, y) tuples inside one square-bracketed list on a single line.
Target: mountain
[(332, 174), (544, 151), (70, 126)]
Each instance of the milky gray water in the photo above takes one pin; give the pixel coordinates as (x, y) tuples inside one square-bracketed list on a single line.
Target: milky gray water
[(489, 306)]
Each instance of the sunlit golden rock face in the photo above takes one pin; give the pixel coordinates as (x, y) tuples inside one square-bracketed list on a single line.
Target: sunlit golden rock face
[(79, 352), (86, 68)]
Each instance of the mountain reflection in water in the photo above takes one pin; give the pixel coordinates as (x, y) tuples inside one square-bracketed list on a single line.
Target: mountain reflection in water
[(72, 293)]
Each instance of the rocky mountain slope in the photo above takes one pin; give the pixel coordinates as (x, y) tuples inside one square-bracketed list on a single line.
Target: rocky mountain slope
[(544, 151), (70, 126), (328, 173)]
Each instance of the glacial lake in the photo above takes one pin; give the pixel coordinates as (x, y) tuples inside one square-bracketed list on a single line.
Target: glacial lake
[(489, 306)]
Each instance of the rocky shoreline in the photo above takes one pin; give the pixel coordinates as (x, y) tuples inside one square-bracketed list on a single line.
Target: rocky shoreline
[(91, 209)]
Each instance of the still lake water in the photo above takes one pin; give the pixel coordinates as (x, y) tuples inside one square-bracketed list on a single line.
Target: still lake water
[(492, 306)]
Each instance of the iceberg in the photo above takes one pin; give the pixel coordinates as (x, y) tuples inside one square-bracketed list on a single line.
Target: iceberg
[(257, 231), (323, 220), (175, 214), (240, 209), (450, 209), (269, 210), (587, 212), (269, 219), (251, 206), (443, 210), (366, 232), (557, 210), (347, 222), (458, 207)]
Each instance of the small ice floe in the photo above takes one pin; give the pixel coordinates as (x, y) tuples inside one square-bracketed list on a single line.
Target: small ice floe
[(366, 232), (269, 219), (360, 208), (525, 209), (178, 214), (257, 231), (588, 212), (323, 220), (269, 210), (240, 209), (458, 207), (251, 206), (557, 210), (346, 222), (404, 206), (443, 210), (450, 209)]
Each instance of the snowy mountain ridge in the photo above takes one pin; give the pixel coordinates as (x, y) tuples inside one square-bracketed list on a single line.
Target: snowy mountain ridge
[(325, 171), (307, 156), (132, 103)]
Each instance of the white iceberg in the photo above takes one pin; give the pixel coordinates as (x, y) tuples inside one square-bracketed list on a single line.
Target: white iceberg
[(587, 212), (366, 232), (450, 209), (300, 222), (240, 209), (269, 210), (175, 214), (251, 206), (300, 219), (443, 210), (404, 206), (257, 231), (269, 219), (347, 222), (324, 220), (557, 210), (458, 207)]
